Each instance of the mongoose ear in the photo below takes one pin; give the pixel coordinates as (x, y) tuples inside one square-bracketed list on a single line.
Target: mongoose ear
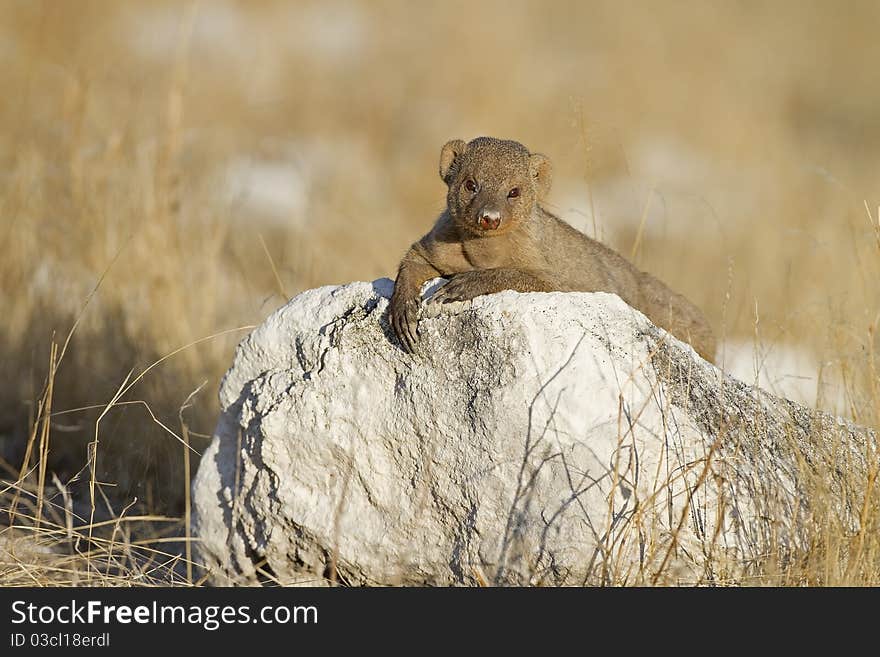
[(542, 174), (451, 150)]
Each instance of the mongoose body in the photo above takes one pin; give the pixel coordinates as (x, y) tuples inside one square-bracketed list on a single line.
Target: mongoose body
[(494, 235)]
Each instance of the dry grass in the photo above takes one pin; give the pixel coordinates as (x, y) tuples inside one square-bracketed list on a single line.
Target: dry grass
[(204, 161)]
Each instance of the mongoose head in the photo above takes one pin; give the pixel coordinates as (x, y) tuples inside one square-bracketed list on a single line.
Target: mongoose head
[(494, 184)]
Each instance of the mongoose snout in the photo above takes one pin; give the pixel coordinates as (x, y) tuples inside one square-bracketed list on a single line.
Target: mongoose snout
[(488, 207), (489, 219), (494, 235)]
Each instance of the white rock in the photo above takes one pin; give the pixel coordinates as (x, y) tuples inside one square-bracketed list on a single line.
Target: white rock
[(534, 439)]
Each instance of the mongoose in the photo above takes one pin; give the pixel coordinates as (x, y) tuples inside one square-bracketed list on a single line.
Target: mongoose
[(494, 235)]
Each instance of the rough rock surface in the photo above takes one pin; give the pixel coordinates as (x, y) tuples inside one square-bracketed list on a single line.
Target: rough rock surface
[(538, 438)]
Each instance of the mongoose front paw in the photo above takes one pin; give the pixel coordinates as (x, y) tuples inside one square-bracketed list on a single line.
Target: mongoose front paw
[(404, 320), (463, 287)]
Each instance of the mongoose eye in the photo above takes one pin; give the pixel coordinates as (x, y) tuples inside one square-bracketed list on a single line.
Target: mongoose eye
[(513, 193), (470, 185)]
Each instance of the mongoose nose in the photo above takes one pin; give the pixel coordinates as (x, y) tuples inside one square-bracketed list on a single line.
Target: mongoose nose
[(490, 219)]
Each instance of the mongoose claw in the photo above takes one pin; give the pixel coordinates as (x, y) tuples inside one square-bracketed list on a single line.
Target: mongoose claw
[(404, 321), (462, 287)]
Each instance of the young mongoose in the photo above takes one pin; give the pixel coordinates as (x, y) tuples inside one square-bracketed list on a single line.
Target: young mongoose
[(494, 235)]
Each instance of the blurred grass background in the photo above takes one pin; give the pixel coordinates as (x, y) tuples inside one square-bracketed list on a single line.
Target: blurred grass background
[(215, 158)]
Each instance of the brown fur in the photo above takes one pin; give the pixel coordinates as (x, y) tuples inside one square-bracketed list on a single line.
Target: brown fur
[(489, 239)]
